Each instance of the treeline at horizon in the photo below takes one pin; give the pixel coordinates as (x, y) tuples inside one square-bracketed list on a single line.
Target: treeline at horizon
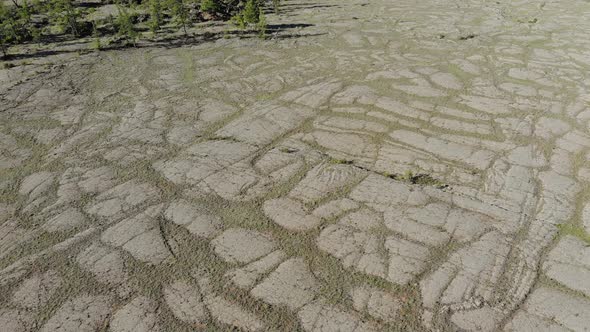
[(125, 21)]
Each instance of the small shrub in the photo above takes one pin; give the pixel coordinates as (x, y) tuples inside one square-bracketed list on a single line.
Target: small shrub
[(96, 43)]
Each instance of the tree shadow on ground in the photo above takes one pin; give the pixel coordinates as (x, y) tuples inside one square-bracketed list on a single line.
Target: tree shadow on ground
[(288, 8), (71, 45)]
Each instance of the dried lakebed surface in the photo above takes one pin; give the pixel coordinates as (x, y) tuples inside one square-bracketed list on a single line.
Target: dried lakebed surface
[(383, 166)]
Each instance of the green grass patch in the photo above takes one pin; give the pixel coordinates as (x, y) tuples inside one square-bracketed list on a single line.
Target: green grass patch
[(574, 230)]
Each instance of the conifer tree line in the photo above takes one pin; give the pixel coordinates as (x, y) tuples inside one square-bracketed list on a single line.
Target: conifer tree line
[(26, 21)]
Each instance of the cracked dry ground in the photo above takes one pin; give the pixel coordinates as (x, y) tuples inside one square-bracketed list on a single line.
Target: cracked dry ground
[(258, 185)]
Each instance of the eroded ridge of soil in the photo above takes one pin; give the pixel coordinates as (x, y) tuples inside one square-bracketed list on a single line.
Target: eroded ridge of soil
[(393, 165)]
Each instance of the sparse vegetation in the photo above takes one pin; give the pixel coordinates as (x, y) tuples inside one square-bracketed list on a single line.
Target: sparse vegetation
[(340, 161)]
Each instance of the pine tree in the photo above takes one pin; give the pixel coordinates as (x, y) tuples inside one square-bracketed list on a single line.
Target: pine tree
[(179, 13), (63, 13), (261, 25), (6, 29), (155, 15), (16, 26), (125, 26), (249, 15), (28, 29), (251, 12), (211, 6)]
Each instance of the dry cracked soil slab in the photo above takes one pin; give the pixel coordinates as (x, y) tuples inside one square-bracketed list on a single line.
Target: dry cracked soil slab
[(371, 166)]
